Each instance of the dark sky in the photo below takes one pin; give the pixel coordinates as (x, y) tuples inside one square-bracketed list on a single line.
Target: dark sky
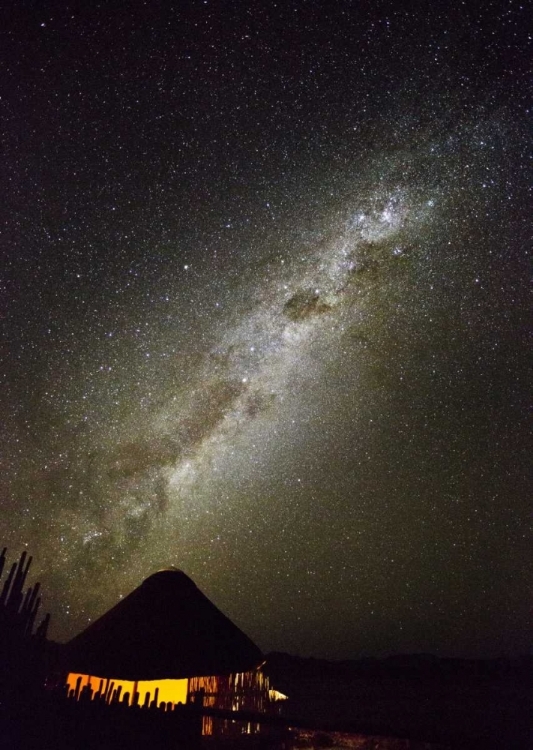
[(264, 314)]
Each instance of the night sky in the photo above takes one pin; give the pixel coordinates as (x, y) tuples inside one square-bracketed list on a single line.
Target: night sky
[(264, 314)]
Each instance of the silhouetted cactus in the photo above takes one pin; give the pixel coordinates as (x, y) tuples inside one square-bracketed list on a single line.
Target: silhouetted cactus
[(18, 610)]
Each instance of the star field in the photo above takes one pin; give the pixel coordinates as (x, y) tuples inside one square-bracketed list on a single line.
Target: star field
[(265, 315)]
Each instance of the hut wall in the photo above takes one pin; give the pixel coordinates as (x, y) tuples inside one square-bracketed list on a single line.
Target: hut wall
[(242, 691)]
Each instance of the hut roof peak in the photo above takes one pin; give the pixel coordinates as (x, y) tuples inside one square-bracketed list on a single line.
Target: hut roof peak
[(169, 582)]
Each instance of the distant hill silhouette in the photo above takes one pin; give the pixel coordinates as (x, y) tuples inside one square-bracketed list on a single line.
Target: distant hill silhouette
[(483, 704)]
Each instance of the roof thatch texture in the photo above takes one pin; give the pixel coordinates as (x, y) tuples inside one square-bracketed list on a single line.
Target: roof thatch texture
[(165, 629)]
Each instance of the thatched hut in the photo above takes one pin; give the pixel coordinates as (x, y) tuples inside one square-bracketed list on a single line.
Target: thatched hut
[(166, 642)]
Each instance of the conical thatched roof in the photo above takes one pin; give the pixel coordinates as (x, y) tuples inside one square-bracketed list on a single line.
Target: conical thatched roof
[(164, 629)]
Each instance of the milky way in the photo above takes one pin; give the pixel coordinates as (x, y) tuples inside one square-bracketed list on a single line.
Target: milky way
[(289, 360)]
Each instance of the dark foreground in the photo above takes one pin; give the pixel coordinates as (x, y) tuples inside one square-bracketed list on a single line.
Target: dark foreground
[(404, 704), (400, 703), (452, 702)]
